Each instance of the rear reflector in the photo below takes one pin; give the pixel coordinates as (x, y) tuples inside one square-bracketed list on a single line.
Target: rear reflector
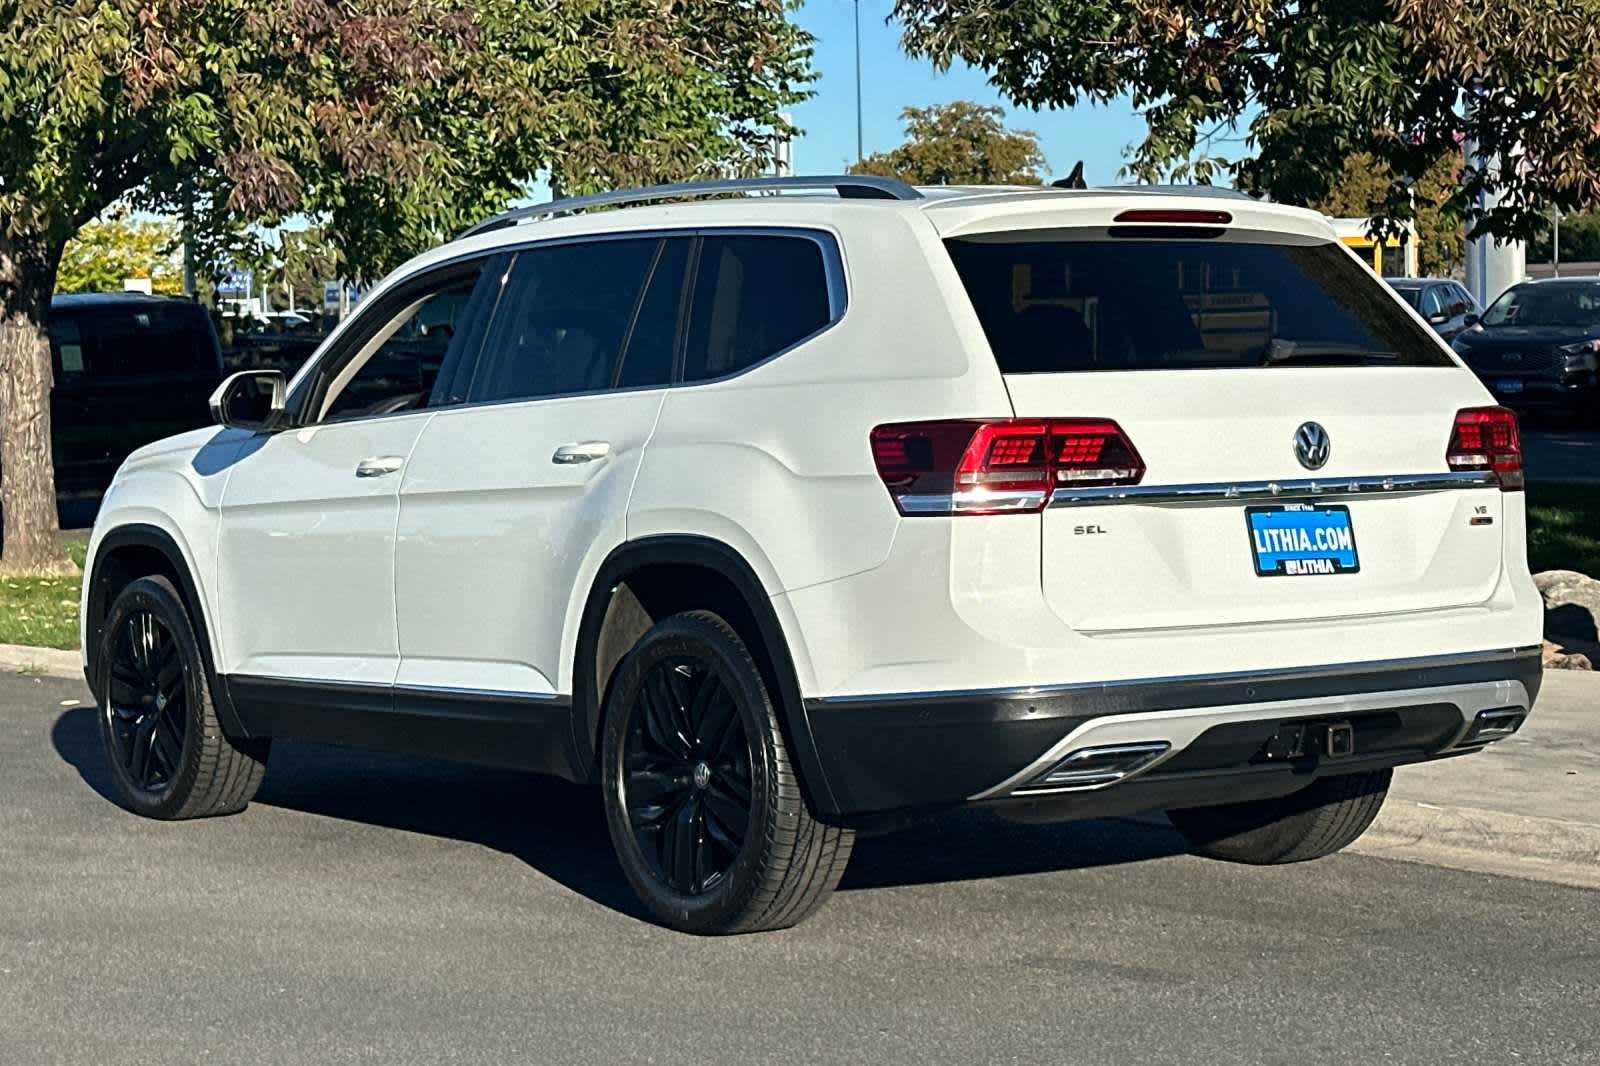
[(1004, 466), (1486, 438), (1175, 215)]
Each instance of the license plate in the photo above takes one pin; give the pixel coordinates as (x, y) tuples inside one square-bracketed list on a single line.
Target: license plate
[(1298, 540), (1510, 386)]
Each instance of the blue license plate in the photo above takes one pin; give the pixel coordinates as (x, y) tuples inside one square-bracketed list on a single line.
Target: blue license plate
[(1298, 540), (1508, 386)]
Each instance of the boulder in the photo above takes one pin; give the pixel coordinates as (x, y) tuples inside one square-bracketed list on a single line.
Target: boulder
[(1571, 619)]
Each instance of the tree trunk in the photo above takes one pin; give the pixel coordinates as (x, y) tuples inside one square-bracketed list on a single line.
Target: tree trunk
[(27, 470)]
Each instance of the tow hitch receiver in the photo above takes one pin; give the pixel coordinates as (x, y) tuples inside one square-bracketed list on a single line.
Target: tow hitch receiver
[(1340, 740), (1297, 740)]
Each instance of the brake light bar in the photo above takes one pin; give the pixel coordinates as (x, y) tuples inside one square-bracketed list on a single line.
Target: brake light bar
[(1486, 438), (1175, 215), (998, 466)]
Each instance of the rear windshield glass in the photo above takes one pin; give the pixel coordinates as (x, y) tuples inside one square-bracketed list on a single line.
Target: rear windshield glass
[(136, 340), (1062, 305), (1546, 305)]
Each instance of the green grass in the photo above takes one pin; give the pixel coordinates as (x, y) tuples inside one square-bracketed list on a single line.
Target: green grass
[(1564, 528), (42, 611)]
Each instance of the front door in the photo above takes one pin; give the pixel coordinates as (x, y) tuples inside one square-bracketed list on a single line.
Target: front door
[(306, 552)]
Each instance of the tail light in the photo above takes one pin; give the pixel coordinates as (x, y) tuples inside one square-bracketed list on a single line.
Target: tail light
[(1003, 466), (1486, 438)]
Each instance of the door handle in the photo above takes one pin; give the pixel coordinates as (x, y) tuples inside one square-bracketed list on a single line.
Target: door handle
[(377, 467), (587, 452)]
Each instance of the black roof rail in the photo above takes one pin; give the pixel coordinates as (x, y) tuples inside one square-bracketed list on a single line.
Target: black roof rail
[(848, 186)]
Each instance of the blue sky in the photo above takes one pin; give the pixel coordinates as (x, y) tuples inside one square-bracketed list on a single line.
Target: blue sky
[(891, 81)]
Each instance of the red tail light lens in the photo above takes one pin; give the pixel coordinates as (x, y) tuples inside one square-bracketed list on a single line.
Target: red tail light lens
[(998, 467), (1486, 438)]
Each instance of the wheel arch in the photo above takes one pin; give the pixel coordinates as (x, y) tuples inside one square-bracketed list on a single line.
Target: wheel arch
[(126, 553), (641, 581)]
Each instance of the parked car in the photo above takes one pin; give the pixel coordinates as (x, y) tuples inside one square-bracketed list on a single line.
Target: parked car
[(781, 518), (1536, 346), (129, 369), (1446, 304)]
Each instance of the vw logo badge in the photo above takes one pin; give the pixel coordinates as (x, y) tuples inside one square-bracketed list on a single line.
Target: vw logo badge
[(1311, 446)]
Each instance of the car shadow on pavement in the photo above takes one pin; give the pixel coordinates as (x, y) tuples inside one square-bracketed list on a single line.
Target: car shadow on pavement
[(559, 828)]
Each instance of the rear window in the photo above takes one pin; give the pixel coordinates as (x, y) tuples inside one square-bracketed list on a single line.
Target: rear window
[(139, 340), (1063, 305)]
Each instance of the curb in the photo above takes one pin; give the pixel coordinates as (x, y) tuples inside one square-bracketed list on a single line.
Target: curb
[(51, 662), (1480, 841)]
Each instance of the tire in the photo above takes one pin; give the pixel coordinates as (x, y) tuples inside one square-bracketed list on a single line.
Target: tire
[(158, 722), (690, 734), (1316, 821)]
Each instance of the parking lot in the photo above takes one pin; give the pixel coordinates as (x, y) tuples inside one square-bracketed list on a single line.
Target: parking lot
[(381, 909), (1561, 453)]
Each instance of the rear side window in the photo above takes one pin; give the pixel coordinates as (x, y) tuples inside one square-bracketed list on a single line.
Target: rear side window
[(134, 341), (563, 319), (1065, 305), (753, 297)]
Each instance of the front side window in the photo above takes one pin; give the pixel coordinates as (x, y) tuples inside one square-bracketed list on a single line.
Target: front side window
[(754, 296), (1100, 303), (396, 367), (563, 320)]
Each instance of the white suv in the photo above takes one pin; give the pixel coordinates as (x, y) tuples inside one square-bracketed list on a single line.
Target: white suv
[(783, 517)]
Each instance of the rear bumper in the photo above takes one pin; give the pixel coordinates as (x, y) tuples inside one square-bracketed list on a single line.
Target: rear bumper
[(890, 756)]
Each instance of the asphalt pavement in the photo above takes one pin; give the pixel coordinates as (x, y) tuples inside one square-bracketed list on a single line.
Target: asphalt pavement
[(393, 910), (1561, 454)]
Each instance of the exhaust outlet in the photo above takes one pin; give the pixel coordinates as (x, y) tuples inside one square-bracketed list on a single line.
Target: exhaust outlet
[(1088, 768)]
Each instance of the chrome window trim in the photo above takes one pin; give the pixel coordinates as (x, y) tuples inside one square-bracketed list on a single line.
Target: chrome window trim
[(827, 241)]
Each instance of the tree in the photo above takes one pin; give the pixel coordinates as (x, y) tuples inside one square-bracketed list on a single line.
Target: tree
[(1313, 83), (1361, 189), (1580, 240), (106, 253), (960, 143), (392, 123)]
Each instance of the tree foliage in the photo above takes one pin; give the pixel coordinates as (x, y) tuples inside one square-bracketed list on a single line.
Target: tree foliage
[(1361, 189), (960, 143), (104, 254), (391, 123), (1580, 240), (1312, 83)]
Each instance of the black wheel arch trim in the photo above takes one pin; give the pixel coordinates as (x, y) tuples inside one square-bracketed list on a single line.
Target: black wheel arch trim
[(726, 561), (144, 535)]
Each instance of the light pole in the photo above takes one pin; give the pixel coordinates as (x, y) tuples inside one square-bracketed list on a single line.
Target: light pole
[(858, 82)]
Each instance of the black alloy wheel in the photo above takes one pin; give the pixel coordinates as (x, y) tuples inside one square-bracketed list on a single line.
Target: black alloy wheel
[(686, 775), (146, 706), (702, 801), (170, 757)]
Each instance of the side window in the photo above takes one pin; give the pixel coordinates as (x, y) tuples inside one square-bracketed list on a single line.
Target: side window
[(1461, 300), (1431, 302), (753, 297), (66, 344), (652, 345), (563, 319), (398, 364)]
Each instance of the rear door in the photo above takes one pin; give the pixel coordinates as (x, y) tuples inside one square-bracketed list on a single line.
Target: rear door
[(1218, 356), (508, 499)]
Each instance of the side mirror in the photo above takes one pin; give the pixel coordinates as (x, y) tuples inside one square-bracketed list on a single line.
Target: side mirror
[(1472, 318), (250, 399)]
